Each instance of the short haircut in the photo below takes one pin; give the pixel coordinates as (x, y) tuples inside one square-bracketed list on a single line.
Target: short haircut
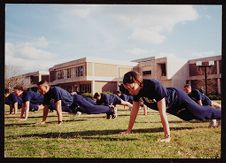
[(187, 85), (19, 87), (131, 77), (6, 90), (42, 82), (96, 95)]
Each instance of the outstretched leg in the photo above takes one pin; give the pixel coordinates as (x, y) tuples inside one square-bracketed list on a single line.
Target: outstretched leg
[(85, 106)]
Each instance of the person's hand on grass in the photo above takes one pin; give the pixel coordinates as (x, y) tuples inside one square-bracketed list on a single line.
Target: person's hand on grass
[(59, 123), (22, 119), (166, 139), (41, 123), (126, 132)]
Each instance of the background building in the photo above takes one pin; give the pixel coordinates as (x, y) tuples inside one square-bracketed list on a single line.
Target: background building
[(28, 80), (173, 74), (213, 68), (89, 75)]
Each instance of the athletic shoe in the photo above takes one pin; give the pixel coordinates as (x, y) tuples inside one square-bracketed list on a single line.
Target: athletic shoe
[(114, 110), (108, 116), (213, 123), (74, 109), (78, 113)]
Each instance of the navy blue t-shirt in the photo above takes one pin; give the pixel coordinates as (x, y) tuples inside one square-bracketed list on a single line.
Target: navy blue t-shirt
[(56, 93), (196, 95), (32, 97), (108, 99), (152, 92), (12, 98)]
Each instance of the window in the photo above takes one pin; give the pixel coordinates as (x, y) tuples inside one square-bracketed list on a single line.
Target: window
[(68, 73), (163, 69), (79, 71), (60, 74), (147, 72)]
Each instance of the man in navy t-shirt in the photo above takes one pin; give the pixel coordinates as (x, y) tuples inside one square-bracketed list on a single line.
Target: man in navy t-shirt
[(64, 101), (31, 101), (13, 101), (110, 99), (199, 97)]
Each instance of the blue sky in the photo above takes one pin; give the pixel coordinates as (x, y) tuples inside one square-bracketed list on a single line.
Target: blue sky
[(38, 36)]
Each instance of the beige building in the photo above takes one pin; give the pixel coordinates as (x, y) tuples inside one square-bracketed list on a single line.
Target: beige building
[(153, 68), (173, 73), (28, 80), (89, 75), (92, 75), (211, 81)]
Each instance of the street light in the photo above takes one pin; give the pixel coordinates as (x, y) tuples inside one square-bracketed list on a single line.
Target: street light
[(210, 64)]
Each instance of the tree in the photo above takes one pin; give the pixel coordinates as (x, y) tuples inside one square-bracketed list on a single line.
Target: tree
[(12, 77)]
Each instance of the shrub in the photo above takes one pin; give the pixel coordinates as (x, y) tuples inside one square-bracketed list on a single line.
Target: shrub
[(87, 95), (214, 97)]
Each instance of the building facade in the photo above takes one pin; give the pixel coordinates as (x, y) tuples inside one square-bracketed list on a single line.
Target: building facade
[(89, 75), (172, 73), (154, 68), (28, 80), (205, 73)]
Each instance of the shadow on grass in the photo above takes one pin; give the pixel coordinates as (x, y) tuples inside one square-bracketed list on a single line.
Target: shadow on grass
[(93, 117), (18, 116), (76, 134), (107, 138), (35, 124), (193, 121)]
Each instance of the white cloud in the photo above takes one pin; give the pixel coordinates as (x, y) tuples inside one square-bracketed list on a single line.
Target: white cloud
[(30, 56), (154, 22), (137, 52), (147, 23), (148, 36)]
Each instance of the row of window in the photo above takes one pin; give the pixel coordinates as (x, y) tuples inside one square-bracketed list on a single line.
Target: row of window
[(70, 72)]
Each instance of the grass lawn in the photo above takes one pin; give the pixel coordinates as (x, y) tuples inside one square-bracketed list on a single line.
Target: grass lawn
[(93, 136)]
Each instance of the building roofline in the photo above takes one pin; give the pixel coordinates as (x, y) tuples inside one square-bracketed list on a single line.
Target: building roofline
[(206, 58), (143, 59), (95, 60), (32, 73), (109, 61)]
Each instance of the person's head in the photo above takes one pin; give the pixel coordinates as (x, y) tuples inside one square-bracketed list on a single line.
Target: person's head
[(133, 82), (43, 87), (97, 96), (118, 93), (18, 90), (187, 88), (6, 92)]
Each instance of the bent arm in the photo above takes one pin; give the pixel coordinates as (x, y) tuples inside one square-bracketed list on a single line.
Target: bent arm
[(199, 102), (126, 103)]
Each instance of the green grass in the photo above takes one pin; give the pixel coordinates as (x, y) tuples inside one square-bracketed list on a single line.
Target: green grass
[(93, 136)]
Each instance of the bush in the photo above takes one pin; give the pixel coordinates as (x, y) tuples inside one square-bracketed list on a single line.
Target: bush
[(214, 97), (87, 95)]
